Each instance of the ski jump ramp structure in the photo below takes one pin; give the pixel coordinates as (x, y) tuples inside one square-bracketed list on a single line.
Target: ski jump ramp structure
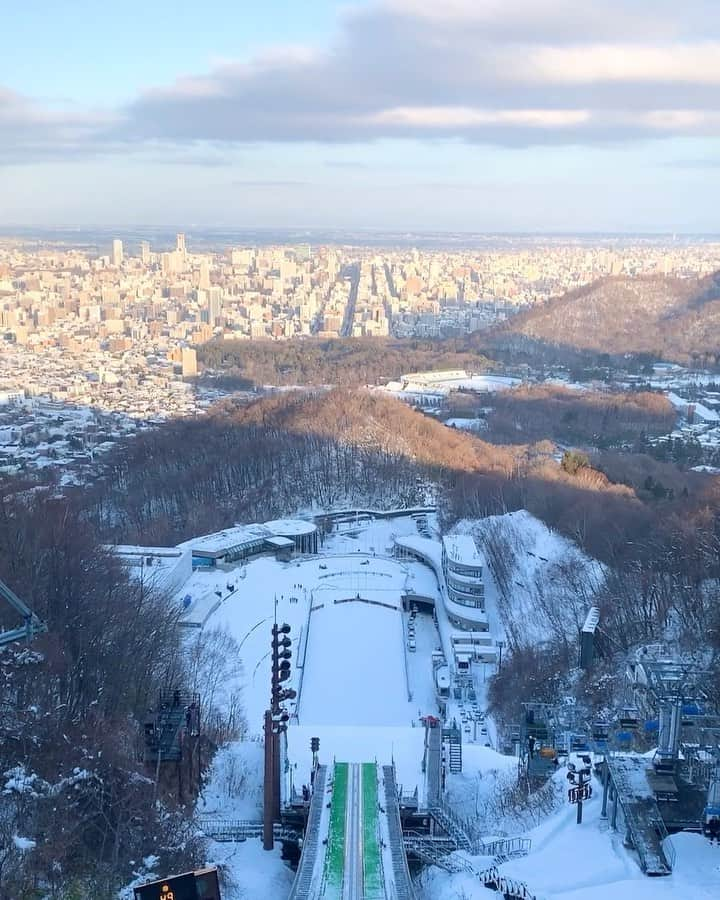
[(353, 847)]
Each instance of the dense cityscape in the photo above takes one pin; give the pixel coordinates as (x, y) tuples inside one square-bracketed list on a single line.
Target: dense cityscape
[(100, 347)]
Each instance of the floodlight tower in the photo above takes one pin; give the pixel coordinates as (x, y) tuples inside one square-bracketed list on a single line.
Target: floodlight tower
[(276, 719)]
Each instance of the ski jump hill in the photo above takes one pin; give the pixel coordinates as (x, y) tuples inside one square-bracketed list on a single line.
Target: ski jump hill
[(353, 847)]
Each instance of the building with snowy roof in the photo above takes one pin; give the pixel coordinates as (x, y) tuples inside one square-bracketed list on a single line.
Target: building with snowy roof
[(459, 564), (462, 565), (164, 569), (302, 533), (245, 541)]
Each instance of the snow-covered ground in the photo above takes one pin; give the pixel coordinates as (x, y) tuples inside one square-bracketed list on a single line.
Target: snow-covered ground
[(253, 873), (354, 668), (362, 694), (234, 783), (569, 861)]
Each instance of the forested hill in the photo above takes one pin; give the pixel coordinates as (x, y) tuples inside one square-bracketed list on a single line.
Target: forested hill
[(668, 318), (341, 361), (288, 451)]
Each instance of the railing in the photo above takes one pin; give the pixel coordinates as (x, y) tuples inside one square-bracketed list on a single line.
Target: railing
[(504, 848), (230, 830), (429, 850), (400, 872), (304, 877)]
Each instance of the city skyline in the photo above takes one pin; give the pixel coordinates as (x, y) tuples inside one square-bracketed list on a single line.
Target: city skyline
[(543, 116)]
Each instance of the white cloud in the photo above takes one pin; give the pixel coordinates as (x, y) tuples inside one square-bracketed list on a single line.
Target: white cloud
[(444, 117), (518, 72), (679, 64), (686, 120)]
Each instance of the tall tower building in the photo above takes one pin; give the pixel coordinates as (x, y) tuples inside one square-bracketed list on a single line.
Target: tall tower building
[(180, 244), (145, 252), (214, 305), (204, 277), (116, 257)]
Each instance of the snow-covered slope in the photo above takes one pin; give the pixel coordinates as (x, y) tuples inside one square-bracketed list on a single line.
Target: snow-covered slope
[(588, 862), (545, 583)]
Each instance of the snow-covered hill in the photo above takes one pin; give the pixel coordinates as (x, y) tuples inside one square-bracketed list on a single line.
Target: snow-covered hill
[(545, 583)]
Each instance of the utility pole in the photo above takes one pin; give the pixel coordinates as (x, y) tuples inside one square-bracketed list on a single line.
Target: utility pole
[(584, 790), (581, 785)]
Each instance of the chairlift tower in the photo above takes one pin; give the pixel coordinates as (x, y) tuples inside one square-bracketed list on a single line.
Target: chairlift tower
[(677, 689), (672, 684)]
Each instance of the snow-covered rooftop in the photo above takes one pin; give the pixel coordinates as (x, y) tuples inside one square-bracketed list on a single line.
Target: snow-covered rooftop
[(286, 527), (221, 542), (461, 548)]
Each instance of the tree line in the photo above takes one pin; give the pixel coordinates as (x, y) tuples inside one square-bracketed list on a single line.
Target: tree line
[(73, 787), (343, 361)]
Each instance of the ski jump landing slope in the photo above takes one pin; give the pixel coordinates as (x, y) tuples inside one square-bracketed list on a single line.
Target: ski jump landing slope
[(353, 848)]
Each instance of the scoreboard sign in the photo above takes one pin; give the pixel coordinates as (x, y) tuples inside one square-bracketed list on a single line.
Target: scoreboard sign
[(578, 794), (200, 885)]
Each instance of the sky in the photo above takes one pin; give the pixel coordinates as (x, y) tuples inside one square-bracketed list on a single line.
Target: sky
[(409, 115)]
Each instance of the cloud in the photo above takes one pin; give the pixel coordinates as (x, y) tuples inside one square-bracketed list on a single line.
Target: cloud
[(693, 164), (260, 183), (519, 72), (350, 164), (30, 131), (505, 72)]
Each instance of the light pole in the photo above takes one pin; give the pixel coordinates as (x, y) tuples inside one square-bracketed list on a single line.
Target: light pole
[(276, 719)]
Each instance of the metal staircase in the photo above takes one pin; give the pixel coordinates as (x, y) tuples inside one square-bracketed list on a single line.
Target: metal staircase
[(461, 835), (453, 826), (400, 871), (453, 737), (646, 829), (302, 885), (434, 852), (163, 733)]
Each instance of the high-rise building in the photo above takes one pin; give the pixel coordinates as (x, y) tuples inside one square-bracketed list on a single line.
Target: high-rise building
[(204, 278), (145, 252), (116, 256), (214, 305), (189, 362), (180, 244)]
